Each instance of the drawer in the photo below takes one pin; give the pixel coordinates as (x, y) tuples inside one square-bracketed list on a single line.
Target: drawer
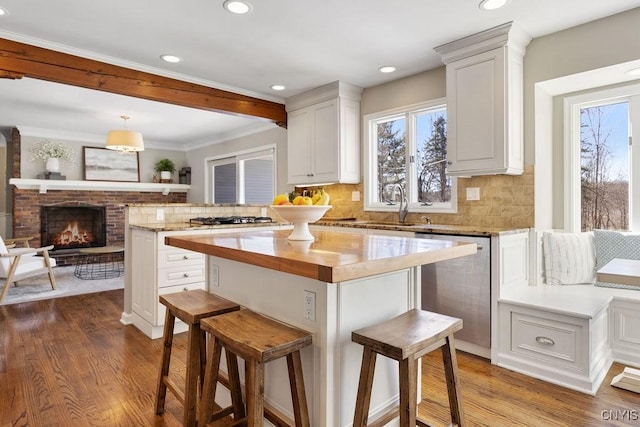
[(179, 257), (547, 340), (162, 310), (182, 275)]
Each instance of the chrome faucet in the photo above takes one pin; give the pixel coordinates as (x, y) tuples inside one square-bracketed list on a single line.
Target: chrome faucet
[(404, 205)]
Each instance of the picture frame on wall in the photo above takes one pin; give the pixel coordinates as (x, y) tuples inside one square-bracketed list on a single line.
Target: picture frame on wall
[(101, 164)]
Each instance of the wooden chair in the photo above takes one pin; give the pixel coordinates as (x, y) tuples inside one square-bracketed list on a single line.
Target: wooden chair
[(21, 263), (406, 338)]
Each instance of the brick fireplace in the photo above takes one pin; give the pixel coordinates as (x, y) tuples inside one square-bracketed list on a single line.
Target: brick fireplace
[(28, 204)]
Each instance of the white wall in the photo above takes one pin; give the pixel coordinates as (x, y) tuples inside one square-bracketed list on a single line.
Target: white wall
[(147, 159), (197, 158)]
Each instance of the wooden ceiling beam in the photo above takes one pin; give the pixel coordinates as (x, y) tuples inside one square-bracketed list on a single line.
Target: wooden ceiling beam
[(22, 60)]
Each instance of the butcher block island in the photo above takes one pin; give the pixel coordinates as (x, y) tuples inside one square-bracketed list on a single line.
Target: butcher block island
[(331, 286)]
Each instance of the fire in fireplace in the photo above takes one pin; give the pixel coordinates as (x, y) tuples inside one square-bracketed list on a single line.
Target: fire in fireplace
[(73, 227)]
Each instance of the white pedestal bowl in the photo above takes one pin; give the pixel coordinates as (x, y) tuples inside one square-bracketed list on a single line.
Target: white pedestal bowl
[(301, 216)]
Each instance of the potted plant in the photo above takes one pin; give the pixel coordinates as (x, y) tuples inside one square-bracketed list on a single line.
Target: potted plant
[(165, 167)]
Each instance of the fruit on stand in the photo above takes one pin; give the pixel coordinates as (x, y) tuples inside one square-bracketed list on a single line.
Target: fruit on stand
[(281, 199), (321, 198), (302, 200)]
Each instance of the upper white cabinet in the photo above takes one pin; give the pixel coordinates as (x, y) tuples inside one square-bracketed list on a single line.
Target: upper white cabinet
[(323, 135), (484, 102)]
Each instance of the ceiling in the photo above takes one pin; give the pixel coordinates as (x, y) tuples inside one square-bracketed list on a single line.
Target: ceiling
[(299, 44)]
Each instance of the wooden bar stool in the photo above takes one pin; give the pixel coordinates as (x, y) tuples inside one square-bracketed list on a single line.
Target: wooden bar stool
[(256, 339), (406, 338), (190, 307)]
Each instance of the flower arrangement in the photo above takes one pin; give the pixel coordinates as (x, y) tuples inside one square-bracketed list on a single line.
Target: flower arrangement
[(47, 149)]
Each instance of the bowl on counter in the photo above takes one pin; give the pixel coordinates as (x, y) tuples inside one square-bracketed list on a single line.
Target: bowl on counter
[(301, 216)]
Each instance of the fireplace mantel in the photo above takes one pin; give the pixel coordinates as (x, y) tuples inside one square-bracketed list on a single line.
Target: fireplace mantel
[(45, 184)]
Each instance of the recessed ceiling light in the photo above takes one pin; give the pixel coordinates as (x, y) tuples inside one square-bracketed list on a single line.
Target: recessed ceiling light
[(634, 72), (387, 69), (277, 87), (238, 7), (492, 4), (3, 11), (171, 58)]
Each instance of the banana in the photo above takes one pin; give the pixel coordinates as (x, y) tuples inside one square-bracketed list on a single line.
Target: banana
[(323, 199)]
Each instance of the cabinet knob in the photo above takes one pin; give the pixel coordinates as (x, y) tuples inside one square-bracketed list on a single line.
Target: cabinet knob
[(185, 275), (185, 289), (545, 341), (185, 257), (449, 163)]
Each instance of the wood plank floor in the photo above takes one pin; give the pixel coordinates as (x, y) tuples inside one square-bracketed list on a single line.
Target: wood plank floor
[(70, 362)]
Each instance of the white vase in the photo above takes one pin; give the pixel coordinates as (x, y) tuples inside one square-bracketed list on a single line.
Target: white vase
[(53, 164), (165, 175)]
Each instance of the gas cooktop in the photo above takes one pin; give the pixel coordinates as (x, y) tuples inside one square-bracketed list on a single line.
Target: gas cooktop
[(221, 220)]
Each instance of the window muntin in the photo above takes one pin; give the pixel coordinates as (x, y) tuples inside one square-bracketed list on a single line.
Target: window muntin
[(407, 147)]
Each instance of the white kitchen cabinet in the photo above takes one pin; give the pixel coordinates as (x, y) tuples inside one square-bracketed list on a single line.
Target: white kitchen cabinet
[(484, 102), (323, 135), (159, 269)]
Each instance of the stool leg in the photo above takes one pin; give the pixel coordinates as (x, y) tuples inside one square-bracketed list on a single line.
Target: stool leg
[(167, 342), (408, 391), (298, 396), (450, 362), (210, 383), (254, 384), (236, 390), (365, 385), (193, 369), (203, 357)]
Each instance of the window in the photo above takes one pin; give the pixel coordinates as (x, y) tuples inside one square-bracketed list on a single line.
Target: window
[(247, 177), (407, 147), (598, 159)]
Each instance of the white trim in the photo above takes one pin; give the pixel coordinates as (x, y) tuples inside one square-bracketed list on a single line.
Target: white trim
[(43, 185), (267, 149), (571, 111), (409, 113)]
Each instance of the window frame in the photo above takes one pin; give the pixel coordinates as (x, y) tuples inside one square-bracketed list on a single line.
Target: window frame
[(571, 150), (369, 126), (238, 157)]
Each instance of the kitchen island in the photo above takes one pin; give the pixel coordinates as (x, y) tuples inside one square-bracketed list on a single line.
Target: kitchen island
[(331, 286)]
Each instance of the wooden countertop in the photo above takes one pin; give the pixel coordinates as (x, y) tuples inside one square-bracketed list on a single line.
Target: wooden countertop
[(333, 257)]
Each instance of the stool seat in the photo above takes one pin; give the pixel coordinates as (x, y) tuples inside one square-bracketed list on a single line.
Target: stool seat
[(190, 307), (410, 334), (256, 339), (406, 338)]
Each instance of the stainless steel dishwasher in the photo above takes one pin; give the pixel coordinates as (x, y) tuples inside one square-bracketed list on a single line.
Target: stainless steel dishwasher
[(461, 287)]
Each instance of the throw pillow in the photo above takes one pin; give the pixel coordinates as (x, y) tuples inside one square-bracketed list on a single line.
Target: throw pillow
[(614, 244), (569, 258)]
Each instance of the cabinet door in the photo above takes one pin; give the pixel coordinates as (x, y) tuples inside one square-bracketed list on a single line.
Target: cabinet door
[(325, 143), (476, 111), (299, 145), (143, 275)]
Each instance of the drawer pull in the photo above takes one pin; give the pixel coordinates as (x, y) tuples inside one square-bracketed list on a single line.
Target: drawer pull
[(185, 289), (185, 275), (185, 257), (545, 341)]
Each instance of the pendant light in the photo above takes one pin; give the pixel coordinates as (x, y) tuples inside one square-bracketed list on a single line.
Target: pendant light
[(125, 140)]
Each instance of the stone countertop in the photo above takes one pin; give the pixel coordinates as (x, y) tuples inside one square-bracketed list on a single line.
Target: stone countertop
[(183, 226), (466, 230), (333, 257)]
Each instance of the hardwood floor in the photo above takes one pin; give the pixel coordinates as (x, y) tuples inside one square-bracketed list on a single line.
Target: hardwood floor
[(70, 362)]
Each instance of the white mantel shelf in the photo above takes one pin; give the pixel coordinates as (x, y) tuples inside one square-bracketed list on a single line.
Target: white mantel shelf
[(45, 184)]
